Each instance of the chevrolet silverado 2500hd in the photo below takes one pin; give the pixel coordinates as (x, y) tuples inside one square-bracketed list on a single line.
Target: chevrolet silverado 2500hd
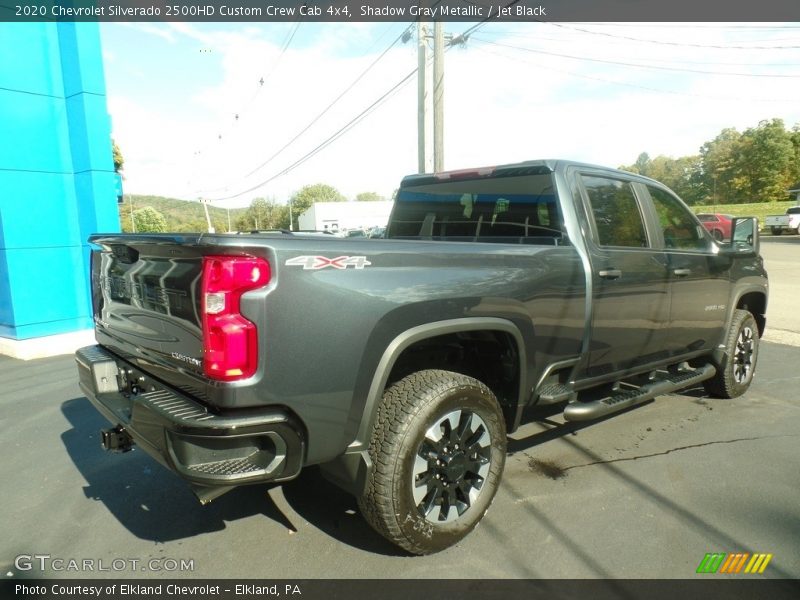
[(399, 365)]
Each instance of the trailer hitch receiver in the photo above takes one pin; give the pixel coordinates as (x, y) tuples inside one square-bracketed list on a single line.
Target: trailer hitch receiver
[(116, 440)]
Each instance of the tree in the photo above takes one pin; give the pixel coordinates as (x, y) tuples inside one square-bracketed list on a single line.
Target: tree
[(302, 200), (721, 169), (119, 162), (264, 213), (149, 220), (758, 165), (369, 197), (642, 164), (766, 161), (679, 174)]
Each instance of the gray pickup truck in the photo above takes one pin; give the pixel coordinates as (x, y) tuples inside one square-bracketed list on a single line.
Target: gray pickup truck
[(400, 364)]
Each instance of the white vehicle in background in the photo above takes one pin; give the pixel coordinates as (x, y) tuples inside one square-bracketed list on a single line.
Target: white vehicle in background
[(790, 221)]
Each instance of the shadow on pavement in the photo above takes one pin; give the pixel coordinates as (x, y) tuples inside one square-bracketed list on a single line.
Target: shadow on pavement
[(689, 514), (334, 512), (154, 504), (557, 430)]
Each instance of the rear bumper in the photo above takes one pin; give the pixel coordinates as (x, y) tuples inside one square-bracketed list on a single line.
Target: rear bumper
[(205, 448)]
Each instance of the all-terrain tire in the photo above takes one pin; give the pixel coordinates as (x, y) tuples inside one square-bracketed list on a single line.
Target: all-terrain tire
[(734, 376), (438, 448)]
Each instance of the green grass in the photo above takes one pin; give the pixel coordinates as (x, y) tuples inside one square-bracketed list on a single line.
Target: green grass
[(752, 209)]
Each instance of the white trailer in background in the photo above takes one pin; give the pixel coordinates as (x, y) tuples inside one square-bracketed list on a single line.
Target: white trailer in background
[(345, 216)]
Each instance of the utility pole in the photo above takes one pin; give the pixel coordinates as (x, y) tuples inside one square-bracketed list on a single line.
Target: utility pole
[(133, 223), (208, 219), (229, 218), (290, 214), (422, 61), (438, 97)]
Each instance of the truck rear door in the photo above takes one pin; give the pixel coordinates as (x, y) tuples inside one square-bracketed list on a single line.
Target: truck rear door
[(630, 278)]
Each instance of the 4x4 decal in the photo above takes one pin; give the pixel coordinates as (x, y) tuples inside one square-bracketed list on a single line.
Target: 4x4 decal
[(314, 263)]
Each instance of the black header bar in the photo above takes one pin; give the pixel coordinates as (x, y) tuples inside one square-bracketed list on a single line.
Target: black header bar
[(708, 588), (221, 11)]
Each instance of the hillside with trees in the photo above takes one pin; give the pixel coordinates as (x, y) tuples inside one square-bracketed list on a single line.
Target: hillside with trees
[(268, 213), (171, 214), (178, 215)]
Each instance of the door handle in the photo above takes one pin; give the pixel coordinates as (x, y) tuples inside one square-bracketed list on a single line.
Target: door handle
[(610, 273), (681, 272)]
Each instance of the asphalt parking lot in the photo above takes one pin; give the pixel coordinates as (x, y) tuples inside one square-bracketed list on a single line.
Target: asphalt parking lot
[(646, 493)]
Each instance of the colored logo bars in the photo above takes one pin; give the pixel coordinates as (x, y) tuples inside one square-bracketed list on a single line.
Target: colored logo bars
[(720, 562)]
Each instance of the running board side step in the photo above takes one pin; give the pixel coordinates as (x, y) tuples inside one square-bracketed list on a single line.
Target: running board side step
[(620, 400)]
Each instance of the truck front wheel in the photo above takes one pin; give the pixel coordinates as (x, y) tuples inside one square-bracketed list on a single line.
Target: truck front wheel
[(438, 448), (734, 376)]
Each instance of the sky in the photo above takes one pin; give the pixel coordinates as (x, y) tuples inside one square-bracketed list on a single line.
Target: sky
[(193, 119)]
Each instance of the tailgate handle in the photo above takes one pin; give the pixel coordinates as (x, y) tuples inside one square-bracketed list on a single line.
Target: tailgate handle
[(682, 272), (610, 273)]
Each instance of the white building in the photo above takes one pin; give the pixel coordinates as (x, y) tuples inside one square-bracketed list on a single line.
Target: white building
[(340, 216)]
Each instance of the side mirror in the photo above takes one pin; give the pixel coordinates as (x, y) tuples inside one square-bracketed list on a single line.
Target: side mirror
[(744, 235)]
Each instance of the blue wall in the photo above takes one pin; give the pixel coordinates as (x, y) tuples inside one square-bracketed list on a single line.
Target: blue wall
[(56, 175)]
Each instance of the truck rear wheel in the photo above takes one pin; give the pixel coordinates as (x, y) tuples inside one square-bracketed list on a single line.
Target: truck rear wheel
[(741, 353), (438, 448)]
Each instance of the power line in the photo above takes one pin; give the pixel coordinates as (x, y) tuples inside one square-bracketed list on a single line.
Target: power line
[(322, 113), (261, 81), (350, 124), (226, 186), (462, 37), (341, 131), (637, 65), (635, 85), (572, 40), (661, 42), (327, 108), (691, 25)]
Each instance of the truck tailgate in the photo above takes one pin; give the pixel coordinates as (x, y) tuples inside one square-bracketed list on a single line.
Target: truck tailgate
[(145, 295), (148, 296)]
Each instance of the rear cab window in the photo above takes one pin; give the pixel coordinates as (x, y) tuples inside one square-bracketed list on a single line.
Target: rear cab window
[(521, 209)]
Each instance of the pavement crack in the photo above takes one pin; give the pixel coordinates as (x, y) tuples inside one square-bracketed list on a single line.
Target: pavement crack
[(665, 452)]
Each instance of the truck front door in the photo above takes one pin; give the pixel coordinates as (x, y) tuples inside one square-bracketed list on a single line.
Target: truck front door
[(699, 278)]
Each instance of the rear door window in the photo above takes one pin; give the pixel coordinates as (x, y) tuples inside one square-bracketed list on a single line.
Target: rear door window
[(617, 218)]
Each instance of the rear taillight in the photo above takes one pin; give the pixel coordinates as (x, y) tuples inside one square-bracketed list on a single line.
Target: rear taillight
[(230, 342)]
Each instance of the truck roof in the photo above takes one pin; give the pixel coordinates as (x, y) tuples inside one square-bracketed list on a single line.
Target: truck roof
[(528, 167)]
